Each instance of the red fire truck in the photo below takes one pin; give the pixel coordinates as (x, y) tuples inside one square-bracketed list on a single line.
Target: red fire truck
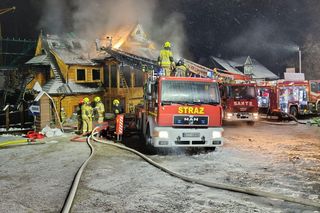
[(239, 102), (181, 112), (293, 97)]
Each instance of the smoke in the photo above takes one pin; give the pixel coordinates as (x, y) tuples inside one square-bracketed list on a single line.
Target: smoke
[(97, 18), (263, 39), (172, 29), (54, 15)]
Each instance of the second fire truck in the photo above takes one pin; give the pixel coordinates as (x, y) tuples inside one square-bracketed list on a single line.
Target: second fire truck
[(239, 102), (292, 97)]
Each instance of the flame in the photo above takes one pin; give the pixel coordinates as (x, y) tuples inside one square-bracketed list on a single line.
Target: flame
[(119, 43)]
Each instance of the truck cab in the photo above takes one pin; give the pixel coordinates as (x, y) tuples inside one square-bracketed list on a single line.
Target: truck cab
[(182, 112), (239, 102)]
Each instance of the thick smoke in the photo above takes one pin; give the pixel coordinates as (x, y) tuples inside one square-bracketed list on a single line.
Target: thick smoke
[(98, 18), (172, 29), (54, 15)]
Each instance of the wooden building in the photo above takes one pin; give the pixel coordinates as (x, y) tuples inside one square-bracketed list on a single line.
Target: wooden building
[(65, 71), (68, 72)]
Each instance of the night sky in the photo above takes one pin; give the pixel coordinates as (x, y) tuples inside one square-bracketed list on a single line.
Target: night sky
[(268, 30)]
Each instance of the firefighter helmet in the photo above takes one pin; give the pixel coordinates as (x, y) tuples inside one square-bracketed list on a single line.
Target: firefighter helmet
[(116, 102), (86, 100), (97, 99), (167, 44)]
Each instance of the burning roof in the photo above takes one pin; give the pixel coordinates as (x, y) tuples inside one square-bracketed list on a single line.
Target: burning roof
[(133, 39)]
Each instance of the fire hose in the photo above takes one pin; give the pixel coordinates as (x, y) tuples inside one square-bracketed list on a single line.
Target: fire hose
[(68, 204)]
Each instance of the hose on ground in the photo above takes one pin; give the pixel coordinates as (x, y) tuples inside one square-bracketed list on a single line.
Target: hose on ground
[(215, 185), (19, 143), (68, 203), (283, 114)]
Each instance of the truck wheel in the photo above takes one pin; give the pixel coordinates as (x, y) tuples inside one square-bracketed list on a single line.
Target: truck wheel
[(294, 111), (148, 137)]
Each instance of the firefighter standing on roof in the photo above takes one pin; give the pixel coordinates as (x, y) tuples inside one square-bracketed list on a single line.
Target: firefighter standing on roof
[(86, 115), (100, 109), (165, 59)]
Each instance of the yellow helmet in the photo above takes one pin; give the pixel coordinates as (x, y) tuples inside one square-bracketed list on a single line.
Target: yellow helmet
[(86, 100), (167, 44), (97, 99), (116, 102)]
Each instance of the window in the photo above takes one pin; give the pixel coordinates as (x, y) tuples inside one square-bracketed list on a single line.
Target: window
[(138, 78), (81, 74), (315, 87), (95, 74), (113, 69), (106, 75), (182, 92)]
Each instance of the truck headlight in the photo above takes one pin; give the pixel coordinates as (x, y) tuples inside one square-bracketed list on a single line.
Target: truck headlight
[(229, 115), (216, 134), (161, 134), (255, 115)]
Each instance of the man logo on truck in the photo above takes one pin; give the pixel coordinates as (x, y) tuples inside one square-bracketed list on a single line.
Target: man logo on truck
[(190, 120)]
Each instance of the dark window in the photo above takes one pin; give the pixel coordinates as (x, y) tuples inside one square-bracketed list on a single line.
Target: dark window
[(95, 74), (242, 92), (138, 78), (81, 74), (127, 75), (113, 75), (106, 75), (315, 87)]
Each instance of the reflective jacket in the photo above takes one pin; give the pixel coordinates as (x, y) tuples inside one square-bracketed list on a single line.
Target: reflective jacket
[(100, 108), (181, 70), (86, 111), (165, 57)]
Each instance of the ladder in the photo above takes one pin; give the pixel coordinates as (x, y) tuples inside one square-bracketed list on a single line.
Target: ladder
[(142, 63)]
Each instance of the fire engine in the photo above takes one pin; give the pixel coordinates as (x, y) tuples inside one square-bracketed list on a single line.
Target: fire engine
[(292, 97), (181, 112), (239, 102), (177, 111)]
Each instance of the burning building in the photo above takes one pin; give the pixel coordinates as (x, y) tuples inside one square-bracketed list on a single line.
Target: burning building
[(64, 70)]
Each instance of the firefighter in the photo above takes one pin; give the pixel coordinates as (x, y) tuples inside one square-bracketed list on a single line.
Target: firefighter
[(165, 59), (63, 115), (99, 108), (116, 108), (181, 69), (86, 115), (79, 117)]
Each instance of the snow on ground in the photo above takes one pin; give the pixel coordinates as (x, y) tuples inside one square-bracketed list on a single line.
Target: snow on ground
[(280, 159), (36, 178)]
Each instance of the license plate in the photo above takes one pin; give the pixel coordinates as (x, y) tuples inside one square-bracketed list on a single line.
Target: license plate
[(191, 134)]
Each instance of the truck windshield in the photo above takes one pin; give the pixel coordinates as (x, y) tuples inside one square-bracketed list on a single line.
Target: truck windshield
[(186, 92), (242, 92)]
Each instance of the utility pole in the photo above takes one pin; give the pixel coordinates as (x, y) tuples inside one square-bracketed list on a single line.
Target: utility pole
[(299, 60)]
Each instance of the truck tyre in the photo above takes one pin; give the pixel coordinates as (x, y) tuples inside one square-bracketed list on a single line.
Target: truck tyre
[(148, 138), (294, 111)]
